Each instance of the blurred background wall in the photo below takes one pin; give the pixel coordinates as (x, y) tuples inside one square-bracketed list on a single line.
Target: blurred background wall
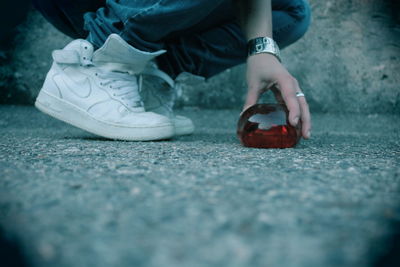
[(349, 61)]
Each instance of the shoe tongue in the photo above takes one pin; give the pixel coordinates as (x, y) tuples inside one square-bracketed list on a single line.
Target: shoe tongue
[(119, 55)]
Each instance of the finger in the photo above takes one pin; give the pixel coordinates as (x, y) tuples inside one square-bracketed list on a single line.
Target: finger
[(305, 117), (288, 91), (305, 114)]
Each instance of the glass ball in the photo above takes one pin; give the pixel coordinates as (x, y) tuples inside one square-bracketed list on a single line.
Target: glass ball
[(267, 126)]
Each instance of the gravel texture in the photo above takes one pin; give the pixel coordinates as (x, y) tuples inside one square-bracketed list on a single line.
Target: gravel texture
[(74, 199)]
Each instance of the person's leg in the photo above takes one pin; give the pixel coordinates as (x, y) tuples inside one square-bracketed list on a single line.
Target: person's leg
[(201, 37), (77, 58), (206, 53), (67, 16), (145, 24), (291, 19)]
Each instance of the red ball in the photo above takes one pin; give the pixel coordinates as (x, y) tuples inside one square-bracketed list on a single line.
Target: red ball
[(267, 126)]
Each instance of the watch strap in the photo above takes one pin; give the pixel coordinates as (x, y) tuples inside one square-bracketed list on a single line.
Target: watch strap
[(263, 45)]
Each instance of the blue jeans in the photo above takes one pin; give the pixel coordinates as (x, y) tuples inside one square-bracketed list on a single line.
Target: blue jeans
[(201, 37)]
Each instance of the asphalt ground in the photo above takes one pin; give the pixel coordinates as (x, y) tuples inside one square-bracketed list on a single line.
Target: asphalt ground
[(74, 199)]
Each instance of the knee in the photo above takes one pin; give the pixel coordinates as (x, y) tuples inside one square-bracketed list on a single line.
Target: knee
[(301, 20), (302, 14)]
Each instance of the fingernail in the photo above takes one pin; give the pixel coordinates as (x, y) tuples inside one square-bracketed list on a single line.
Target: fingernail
[(308, 134)]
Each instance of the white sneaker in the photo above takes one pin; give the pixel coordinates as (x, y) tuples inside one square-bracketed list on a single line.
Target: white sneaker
[(97, 91), (160, 98)]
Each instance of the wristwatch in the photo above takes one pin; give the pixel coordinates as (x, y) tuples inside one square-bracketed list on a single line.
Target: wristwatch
[(263, 45)]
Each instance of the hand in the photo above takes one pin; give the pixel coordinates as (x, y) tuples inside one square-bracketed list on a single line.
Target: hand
[(264, 71)]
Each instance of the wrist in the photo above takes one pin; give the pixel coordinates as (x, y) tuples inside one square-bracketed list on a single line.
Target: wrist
[(261, 45)]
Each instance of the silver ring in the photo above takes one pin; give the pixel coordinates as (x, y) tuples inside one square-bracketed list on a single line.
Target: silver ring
[(300, 94)]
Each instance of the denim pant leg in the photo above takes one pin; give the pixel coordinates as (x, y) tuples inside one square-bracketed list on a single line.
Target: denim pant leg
[(67, 15), (201, 37), (290, 20), (208, 52), (145, 24)]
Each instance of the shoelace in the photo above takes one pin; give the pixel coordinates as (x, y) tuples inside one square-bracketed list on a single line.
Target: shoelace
[(153, 70), (175, 85), (123, 86), (127, 86)]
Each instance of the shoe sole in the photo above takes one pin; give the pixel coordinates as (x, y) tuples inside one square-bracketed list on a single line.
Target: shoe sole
[(71, 114)]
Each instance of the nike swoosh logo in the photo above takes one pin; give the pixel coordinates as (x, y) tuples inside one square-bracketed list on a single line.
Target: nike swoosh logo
[(82, 89)]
